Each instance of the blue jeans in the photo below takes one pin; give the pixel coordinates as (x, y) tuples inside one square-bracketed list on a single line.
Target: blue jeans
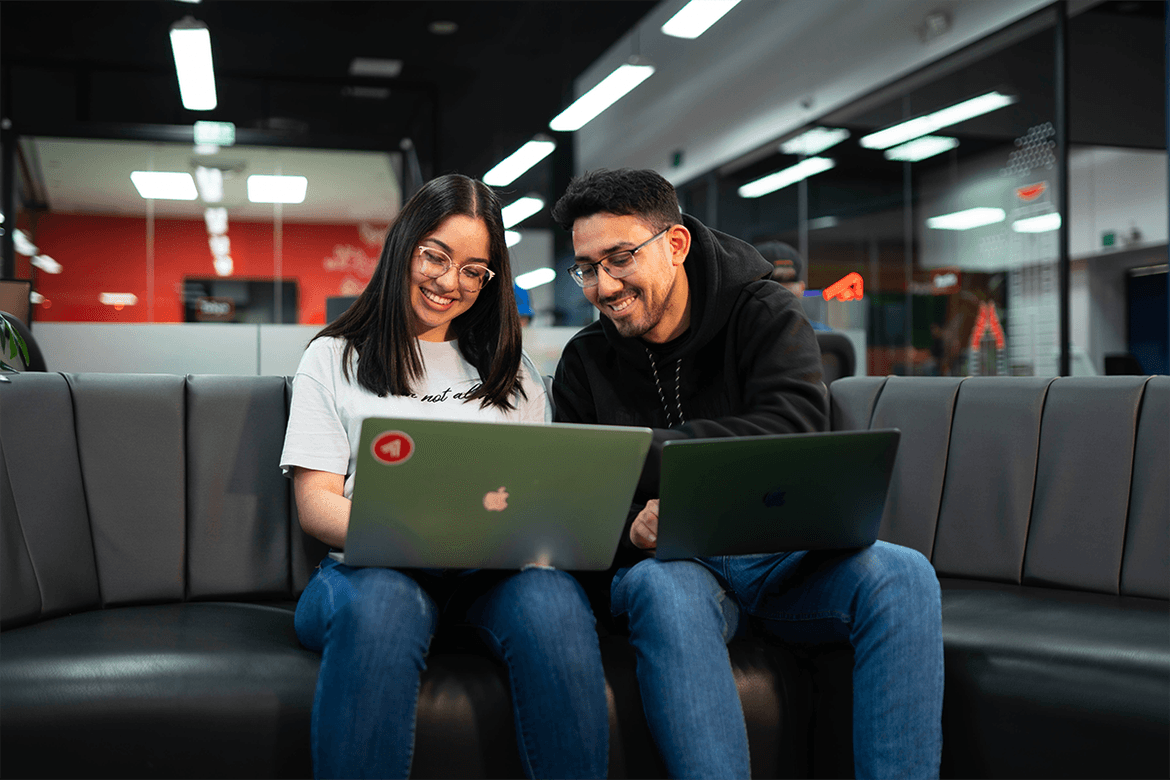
[(373, 628), (883, 599)]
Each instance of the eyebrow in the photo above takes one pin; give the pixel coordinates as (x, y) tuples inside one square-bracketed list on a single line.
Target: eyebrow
[(605, 252), (450, 251)]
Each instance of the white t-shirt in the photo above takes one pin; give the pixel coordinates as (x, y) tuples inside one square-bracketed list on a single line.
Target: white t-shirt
[(325, 420)]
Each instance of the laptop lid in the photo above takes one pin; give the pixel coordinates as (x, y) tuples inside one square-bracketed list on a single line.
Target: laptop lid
[(443, 494), (769, 494)]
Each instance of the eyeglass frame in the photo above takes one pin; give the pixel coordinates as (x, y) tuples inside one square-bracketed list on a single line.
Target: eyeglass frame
[(422, 249), (573, 270)]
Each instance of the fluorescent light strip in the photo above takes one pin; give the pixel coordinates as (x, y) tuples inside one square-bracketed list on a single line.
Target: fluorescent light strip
[(923, 125), (210, 183), (1038, 224), (164, 185), (535, 278), (820, 223), (786, 177), (47, 264), (601, 97), (519, 210), (216, 220), (511, 167), (921, 148), (512, 238), (967, 219), (22, 245), (814, 141), (118, 299), (191, 45), (277, 189), (694, 18)]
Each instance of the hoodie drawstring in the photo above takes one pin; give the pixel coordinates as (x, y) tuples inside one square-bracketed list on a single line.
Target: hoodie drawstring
[(661, 395)]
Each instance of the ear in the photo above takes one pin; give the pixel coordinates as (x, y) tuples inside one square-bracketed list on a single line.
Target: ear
[(679, 240)]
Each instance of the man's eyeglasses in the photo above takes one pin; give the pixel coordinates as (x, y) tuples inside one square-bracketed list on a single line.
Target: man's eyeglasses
[(434, 263), (618, 265)]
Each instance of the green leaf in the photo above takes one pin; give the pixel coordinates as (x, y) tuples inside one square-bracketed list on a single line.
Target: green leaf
[(14, 341)]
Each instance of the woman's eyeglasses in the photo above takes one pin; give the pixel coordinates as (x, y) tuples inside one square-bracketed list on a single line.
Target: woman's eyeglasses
[(434, 263)]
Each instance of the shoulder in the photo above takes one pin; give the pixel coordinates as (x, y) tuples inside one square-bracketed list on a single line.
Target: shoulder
[(322, 359), (591, 338)]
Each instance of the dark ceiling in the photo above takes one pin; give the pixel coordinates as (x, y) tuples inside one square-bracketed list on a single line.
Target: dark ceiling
[(465, 99)]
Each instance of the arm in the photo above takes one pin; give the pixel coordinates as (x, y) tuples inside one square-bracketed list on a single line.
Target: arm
[(321, 505)]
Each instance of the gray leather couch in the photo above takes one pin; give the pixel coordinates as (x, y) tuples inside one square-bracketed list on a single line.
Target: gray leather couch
[(150, 559)]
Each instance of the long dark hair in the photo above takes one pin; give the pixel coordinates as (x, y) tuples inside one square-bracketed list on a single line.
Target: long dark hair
[(380, 323)]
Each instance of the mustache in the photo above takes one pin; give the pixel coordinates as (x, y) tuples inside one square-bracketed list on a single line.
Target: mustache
[(622, 293)]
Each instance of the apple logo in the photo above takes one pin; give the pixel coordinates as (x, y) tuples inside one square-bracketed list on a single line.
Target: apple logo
[(775, 498), (496, 500)]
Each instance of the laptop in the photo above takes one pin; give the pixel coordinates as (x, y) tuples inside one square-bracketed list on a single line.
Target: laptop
[(439, 494), (771, 494)]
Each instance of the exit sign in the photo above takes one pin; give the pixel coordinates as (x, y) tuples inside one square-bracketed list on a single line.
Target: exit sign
[(1108, 238)]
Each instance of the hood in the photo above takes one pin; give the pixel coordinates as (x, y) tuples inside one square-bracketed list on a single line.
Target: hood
[(717, 267)]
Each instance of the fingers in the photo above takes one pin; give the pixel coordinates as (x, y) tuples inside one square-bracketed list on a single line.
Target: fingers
[(644, 529)]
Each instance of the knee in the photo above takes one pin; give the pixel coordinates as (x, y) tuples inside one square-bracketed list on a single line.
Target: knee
[(904, 574), (384, 600), (548, 600), (670, 599)]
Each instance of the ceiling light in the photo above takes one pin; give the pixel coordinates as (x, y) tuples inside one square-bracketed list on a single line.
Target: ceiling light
[(1039, 224), (118, 299), (512, 238), (36, 297), (535, 278), (214, 134), (606, 93), (786, 177), (952, 115), (216, 220), (814, 141), (967, 219), (822, 222), (921, 148), (22, 244), (277, 189), (519, 210), (164, 185), (375, 68), (47, 264), (443, 27), (191, 44), (695, 17), (511, 167), (210, 183), (221, 245), (1, 216), (224, 265)]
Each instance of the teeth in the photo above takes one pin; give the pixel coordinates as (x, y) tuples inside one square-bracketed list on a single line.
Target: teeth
[(622, 305), (431, 296)]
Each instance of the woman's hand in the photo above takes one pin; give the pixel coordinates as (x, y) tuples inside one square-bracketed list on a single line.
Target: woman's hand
[(644, 530)]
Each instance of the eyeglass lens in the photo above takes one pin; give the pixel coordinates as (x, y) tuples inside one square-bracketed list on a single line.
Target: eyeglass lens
[(433, 263)]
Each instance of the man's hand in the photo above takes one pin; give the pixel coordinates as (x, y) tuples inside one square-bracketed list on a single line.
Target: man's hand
[(644, 529)]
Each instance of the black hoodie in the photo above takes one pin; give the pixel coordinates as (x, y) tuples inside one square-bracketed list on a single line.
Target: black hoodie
[(750, 364)]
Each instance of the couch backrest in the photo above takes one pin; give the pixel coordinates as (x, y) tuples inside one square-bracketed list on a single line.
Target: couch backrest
[(1058, 482), (119, 489)]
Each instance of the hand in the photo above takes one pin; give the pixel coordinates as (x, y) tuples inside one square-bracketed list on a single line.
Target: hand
[(644, 530)]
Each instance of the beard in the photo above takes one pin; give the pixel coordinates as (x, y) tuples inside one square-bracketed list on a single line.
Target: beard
[(639, 324)]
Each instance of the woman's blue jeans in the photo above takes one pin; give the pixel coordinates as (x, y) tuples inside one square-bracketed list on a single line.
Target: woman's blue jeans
[(373, 628), (883, 599)]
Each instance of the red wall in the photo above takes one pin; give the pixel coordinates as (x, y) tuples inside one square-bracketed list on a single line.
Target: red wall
[(108, 254)]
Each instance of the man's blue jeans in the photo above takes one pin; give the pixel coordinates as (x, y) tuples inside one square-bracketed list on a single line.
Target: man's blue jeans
[(883, 599), (373, 628)]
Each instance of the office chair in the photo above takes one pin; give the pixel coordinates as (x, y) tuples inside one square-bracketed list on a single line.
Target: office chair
[(36, 359), (837, 356)]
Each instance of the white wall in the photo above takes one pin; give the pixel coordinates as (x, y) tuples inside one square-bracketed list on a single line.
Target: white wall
[(764, 70)]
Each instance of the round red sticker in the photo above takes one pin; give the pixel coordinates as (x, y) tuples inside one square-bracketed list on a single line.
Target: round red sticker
[(392, 447)]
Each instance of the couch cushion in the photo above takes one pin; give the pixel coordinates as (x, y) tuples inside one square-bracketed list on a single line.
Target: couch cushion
[(1043, 682), (46, 553), (1145, 569), (173, 690)]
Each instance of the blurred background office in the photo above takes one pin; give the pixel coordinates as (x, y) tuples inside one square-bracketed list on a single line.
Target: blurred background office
[(975, 186)]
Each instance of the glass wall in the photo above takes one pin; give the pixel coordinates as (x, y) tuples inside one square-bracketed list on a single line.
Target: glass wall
[(938, 199)]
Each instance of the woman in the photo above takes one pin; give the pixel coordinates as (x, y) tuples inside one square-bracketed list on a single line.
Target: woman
[(438, 314)]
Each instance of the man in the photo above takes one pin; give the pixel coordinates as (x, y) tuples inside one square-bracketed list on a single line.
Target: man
[(696, 341), (787, 266)]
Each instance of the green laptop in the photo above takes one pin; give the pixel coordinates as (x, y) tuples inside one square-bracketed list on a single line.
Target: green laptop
[(438, 494)]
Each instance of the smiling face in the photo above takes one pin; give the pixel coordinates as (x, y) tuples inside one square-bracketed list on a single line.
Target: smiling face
[(654, 301), (437, 302)]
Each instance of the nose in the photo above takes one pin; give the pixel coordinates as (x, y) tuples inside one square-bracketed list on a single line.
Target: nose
[(606, 284), (449, 279)]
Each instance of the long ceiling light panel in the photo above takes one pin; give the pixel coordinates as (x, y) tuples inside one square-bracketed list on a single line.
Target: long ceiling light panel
[(517, 163), (191, 44), (694, 18), (164, 185), (967, 219), (921, 148), (277, 189), (521, 209), (611, 89), (814, 141), (924, 125), (788, 176), (1039, 224), (535, 278)]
